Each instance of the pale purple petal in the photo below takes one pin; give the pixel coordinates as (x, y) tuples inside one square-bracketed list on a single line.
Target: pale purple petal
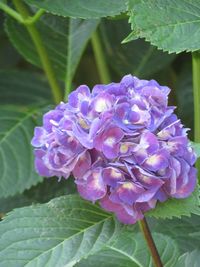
[(82, 166), (94, 187), (157, 161), (112, 176), (39, 138)]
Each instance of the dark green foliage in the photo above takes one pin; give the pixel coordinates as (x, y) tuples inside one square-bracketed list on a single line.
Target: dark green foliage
[(168, 24), (87, 9), (68, 231)]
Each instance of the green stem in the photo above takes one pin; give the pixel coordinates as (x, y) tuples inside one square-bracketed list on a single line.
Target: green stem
[(100, 59), (11, 12), (31, 20), (35, 35), (196, 95), (68, 88), (150, 243)]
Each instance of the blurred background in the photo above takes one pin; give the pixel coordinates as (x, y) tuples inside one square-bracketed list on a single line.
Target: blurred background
[(138, 57)]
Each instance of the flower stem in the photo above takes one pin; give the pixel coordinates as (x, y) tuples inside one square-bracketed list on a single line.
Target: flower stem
[(34, 18), (11, 12), (35, 35), (100, 59), (196, 96), (151, 245)]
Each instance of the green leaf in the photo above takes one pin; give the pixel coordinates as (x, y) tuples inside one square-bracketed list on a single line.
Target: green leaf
[(185, 231), (79, 33), (64, 39), (138, 58), (184, 95), (167, 24), (74, 232), (59, 233), (196, 147), (9, 203), (130, 249), (88, 9), (177, 207), (41, 193), (190, 259), (16, 155), (9, 57), (23, 88)]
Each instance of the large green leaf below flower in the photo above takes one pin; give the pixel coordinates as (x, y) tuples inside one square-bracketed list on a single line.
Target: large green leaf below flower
[(129, 249), (69, 231), (59, 233), (189, 259), (185, 231)]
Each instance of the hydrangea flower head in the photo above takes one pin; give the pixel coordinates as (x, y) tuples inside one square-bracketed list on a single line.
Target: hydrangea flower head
[(123, 144)]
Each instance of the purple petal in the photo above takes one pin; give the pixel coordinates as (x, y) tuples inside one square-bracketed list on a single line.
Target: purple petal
[(125, 214), (51, 119), (94, 188), (39, 138), (102, 102), (81, 94), (111, 140), (127, 81), (127, 193), (82, 136), (112, 175), (145, 206), (157, 161), (39, 164), (186, 182), (127, 217), (82, 165)]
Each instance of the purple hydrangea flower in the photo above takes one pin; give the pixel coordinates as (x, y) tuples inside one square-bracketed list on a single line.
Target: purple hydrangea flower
[(124, 145)]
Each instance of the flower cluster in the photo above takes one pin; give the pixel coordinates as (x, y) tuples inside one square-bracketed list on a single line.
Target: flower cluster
[(124, 145)]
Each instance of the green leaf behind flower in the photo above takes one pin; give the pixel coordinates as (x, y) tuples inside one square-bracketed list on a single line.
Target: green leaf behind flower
[(87, 9), (41, 193), (177, 207), (23, 88), (167, 24), (137, 57), (16, 155), (22, 96), (184, 95), (196, 147), (69, 231), (64, 39)]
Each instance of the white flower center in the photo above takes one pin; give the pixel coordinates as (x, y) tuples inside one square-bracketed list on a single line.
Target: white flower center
[(101, 105), (110, 141)]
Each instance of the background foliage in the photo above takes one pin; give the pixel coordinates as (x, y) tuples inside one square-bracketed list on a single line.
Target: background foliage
[(68, 231)]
